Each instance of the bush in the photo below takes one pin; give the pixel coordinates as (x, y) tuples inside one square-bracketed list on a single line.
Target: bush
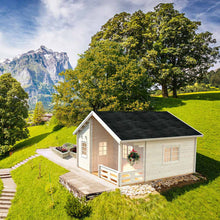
[(77, 208), (58, 127), (4, 150)]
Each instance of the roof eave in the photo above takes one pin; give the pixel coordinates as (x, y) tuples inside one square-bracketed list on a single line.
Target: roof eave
[(162, 138)]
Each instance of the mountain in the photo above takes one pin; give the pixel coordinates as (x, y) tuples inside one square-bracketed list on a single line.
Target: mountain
[(37, 71)]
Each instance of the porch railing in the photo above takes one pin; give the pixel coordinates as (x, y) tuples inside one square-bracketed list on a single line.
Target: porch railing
[(121, 178)]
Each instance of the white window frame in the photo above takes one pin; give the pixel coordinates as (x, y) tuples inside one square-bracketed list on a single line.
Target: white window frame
[(103, 148), (171, 154), (126, 149)]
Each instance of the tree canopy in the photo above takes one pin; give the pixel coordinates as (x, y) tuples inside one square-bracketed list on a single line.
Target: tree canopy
[(106, 79), (165, 42), (13, 110)]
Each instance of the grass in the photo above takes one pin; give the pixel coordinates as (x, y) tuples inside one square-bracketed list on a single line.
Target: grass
[(40, 137), (32, 200), (197, 201), (1, 186)]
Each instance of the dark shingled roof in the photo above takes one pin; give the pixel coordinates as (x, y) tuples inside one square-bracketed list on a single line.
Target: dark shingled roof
[(144, 125)]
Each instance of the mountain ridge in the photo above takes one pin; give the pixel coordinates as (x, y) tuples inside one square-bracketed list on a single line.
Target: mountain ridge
[(38, 72)]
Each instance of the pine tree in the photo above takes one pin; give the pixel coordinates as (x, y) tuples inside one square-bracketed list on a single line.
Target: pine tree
[(38, 113)]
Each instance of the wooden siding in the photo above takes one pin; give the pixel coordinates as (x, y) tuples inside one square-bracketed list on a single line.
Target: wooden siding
[(156, 167), (99, 134), (84, 134)]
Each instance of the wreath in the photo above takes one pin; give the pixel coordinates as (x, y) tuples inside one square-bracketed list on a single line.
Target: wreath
[(133, 157)]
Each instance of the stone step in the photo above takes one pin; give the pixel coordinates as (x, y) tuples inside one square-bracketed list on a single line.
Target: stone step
[(4, 174), (7, 194), (5, 202), (5, 206), (5, 177), (9, 190), (3, 215), (6, 198)]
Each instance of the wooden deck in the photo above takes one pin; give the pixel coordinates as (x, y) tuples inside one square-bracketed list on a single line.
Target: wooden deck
[(81, 185)]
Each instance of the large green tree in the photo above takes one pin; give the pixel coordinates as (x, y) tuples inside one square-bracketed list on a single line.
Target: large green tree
[(38, 113), (166, 42), (105, 78), (13, 110)]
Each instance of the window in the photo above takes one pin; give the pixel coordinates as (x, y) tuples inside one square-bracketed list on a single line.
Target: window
[(102, 148), (126, 150), (171, 154), (84, 149)]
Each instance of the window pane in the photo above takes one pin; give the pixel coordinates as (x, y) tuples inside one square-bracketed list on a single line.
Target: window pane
[(175, 153), (167, 152), (84, 148), (130, 148), (125, 151), (102, 148)]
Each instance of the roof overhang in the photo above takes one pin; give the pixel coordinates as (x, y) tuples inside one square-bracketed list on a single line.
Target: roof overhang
[(93, 114), (162, 138)]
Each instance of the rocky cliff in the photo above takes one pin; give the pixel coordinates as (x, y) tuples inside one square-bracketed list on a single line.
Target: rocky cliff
[(37, 71)]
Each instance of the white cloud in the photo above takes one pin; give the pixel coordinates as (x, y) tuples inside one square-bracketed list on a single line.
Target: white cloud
[(68, 25)]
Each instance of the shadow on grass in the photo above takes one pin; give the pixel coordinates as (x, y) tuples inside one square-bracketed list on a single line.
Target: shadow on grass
[(158, 103), (212, 96), (205, 166), (30, 141)]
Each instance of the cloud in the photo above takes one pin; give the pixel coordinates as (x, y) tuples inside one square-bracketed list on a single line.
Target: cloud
[(68, 25)]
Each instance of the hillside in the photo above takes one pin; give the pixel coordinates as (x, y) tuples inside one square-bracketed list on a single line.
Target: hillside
[(198, 201), (37, 71)]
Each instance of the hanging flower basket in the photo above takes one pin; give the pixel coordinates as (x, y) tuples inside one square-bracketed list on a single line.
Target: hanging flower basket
[(133, 157)]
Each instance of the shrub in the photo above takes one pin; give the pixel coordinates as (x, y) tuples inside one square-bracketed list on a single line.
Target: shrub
[(77, 208), (50, 189), (68, 145), (4, 150)]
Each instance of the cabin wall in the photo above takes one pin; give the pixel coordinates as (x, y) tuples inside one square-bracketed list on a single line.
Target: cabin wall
[(99, 134), (156, 167), (84, 135)]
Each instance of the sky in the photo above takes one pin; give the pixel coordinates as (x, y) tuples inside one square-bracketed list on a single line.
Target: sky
[(68, 25)]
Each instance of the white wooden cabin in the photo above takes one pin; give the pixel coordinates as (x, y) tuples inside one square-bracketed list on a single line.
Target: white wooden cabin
[(166, 145)]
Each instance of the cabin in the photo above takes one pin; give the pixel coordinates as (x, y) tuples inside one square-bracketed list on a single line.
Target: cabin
[(166, 146)]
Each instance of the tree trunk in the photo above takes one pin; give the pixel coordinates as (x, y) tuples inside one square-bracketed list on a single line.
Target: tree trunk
[(164, 91), (174, 88)]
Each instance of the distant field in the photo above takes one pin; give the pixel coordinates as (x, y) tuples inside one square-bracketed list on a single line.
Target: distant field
[(198, 201)]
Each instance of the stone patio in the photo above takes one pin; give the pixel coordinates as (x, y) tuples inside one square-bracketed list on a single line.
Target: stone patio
[(79, 182)]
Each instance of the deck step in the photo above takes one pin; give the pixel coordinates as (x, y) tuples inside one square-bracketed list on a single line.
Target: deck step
[(5, 206)]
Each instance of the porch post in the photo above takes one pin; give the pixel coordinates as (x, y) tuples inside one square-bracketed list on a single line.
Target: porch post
[(119, 157)]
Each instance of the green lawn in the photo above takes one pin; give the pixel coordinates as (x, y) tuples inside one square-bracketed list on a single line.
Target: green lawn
[(40, 137), (31, 200), (198, 201)]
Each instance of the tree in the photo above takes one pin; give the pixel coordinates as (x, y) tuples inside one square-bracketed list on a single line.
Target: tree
[(104, 79), (166, 42), (13, 110), (38, 113)]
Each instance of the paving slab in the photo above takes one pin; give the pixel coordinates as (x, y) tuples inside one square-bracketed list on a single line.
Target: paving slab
[(80, 179)]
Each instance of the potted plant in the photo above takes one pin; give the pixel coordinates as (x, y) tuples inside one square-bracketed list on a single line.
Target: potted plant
[(133, 157), (61, 151), (73, 151)]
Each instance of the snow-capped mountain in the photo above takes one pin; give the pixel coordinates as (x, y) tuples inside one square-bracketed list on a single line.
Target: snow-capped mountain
[(37, 71)]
